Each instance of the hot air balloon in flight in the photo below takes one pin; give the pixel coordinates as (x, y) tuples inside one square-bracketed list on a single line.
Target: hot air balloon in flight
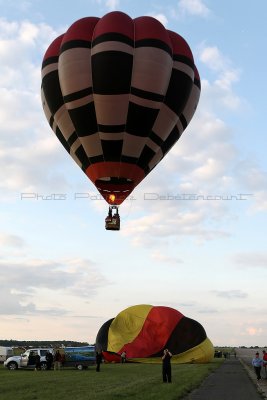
[(118, 93), (144, 331)]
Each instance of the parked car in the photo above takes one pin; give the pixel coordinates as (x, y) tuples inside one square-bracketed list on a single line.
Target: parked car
[(27, 359)]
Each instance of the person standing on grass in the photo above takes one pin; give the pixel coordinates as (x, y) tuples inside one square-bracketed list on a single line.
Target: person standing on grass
[(49, 359), (98, 359), (166, 366), (57, 360), (257, 364), (37, 362), (123, 357)]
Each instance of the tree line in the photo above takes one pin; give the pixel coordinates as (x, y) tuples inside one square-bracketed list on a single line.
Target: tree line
[(41, 343)]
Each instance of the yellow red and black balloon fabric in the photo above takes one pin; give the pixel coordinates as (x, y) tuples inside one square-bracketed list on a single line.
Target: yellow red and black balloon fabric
[(144, 331), (118, 93)]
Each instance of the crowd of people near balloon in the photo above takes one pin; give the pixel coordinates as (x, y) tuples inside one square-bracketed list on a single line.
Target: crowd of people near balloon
[(53, 360), (56, 361)]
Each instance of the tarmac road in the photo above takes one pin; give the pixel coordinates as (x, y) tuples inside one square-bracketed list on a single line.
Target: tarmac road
[(231, 381)]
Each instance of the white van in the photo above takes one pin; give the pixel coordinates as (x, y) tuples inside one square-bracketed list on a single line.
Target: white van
[(27, 359)]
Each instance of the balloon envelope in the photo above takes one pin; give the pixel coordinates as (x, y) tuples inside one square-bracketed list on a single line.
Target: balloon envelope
[(144, 331), (118, 92)]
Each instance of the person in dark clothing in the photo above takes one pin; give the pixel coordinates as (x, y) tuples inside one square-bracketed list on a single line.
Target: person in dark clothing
[(37, 362), (32, 358), (49, 359), (166, 366), (98, 360), (57, 360)]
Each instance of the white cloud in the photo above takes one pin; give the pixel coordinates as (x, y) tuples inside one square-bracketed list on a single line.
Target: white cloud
[(27, 142), (231, 294), (11, 241), (15, 303), (163, 258), (112, 4), (226, 77), (193, 7), (212, 169), (11, 303), (28, 33), (213, 58), (165, 219), (251, 259), (250, 174), (25, 282), (161, 18), (260, 201)]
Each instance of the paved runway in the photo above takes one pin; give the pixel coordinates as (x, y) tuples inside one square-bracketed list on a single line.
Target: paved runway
[(231, 381)]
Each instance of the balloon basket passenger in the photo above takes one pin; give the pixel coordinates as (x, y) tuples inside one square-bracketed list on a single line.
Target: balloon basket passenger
[(112, 221)]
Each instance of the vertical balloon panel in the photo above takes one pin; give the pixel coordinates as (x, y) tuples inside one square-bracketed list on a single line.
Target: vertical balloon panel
[(55, 108), (75, 74)]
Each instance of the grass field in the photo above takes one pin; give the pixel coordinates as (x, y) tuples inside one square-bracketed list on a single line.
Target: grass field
[(114, 381)]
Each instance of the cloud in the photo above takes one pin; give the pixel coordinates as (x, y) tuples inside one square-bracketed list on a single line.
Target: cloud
[(161, 18), (61, 275), (14, 303), (230, 294), (112, 4), (166, 221), (251, 260), (225, 77), (23, 284), (254, 331), (213, 58), (208, 310), (250, 174), (193, 7), (10, 240), (211, 169), (27, 143), (164, 258), (260, 201), (24, 43)]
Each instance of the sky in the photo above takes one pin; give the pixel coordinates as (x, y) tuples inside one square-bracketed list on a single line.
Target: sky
[(193, 233)]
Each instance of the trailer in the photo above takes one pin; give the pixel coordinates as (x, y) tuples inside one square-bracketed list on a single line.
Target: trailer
[(79, 357), (5, 352)]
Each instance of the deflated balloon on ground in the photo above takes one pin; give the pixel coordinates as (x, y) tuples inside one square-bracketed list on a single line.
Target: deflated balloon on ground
[(144, 331)]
